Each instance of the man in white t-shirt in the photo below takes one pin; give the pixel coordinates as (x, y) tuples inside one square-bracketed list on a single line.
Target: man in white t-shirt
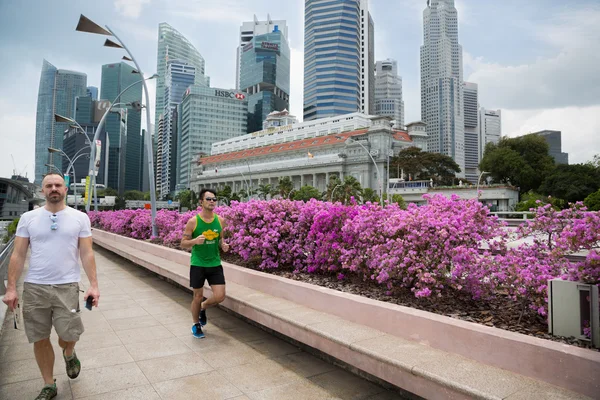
[(58, 236)]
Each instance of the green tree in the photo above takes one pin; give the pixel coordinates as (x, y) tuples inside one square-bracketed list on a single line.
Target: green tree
[(264, 191), (110, 192), (592, 202), (410, 160), (284, 187), (133, 195), (530, 200), (369, 194), (522, 161), (396, 198), (571, 182), (350, 188), (11, 230), (187, 198), (333, 189), (440, 168), (307, 192), (225, 194)]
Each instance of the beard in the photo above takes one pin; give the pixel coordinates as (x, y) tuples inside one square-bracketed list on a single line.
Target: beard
[(55, 197)]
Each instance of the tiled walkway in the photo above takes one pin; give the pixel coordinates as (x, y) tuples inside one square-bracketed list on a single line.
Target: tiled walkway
[(138, 345)]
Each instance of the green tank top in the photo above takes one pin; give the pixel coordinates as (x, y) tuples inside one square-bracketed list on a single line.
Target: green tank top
[(207, 254)]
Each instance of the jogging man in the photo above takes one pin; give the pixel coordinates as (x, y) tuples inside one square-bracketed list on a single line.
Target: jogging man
[(204, 234), (58, 236)]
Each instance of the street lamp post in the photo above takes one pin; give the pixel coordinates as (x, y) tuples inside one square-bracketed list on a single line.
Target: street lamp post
[(479, 180), (87, 25), (350, 141), (53, 166), (333, 191)]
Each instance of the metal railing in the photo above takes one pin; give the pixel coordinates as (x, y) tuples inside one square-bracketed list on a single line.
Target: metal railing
[(4, 259)]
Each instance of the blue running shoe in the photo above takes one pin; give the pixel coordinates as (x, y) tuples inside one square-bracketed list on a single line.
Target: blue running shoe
[(197, 331), (203, 317)]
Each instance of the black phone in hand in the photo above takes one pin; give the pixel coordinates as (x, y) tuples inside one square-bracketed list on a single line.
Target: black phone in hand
[(89, 303)]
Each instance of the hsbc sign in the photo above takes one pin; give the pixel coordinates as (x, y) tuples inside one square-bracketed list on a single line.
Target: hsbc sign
[(231, 95)]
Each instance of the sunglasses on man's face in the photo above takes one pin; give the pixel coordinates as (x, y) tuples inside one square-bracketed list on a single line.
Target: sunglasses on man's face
[(210, 199), (54, 225)]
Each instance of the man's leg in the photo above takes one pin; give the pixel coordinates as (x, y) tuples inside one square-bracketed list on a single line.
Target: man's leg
[(67, 347), (196, 304), (44, 355), (218, 295)]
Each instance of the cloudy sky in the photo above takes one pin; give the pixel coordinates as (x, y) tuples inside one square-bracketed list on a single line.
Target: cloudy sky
[(537, 60)]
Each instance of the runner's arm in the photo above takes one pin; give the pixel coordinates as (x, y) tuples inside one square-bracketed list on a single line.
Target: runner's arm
[(222, 243), (187, 242)]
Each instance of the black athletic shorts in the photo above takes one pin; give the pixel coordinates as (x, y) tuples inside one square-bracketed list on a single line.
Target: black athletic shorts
[(214, 276)]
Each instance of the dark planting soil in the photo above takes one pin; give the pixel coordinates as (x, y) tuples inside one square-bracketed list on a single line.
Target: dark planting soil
[(500, 312)]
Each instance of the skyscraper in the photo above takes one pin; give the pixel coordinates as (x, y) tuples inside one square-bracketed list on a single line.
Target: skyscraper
[(388, 92), (249, 30), (554, 140), (180, 76), (338, 58), (92, 91), (442, 81), (207, 115), (172, 45), (125, 144), (490, 128), (471, 119), (265, 76), (56, 95)]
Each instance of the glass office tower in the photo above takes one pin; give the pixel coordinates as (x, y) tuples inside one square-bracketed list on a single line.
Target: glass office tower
[(265, 76)]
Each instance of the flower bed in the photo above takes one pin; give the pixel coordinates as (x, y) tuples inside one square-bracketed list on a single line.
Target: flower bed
[(432, 250)]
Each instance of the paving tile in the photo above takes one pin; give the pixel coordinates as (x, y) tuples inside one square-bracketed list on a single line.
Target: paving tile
[(208, 386), (29, 389), (15, 352), (387, 395), (163, 307), (173, 367), (156, 348), (345, 385), (98, 340), (108, 379), (24, 370), (142, 335), (304, 364), (271, 347), (136, 322), (124, 313), (224, 356), (95, 358), (259, 375), (302, 390), (145, 392)]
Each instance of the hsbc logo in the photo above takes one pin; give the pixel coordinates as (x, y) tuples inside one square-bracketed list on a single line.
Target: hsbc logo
[(231, 95)]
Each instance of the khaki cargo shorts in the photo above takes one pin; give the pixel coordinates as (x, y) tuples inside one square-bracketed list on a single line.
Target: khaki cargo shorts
[(47, 305)]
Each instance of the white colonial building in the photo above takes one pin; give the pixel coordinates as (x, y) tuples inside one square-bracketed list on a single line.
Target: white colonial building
[(309, 153)]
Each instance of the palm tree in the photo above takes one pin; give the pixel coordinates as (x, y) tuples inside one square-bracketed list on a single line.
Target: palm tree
[(265, 191), (333, 188), (350, 188), (285, 186)]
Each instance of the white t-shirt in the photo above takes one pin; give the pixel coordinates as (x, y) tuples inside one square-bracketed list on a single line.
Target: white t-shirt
[(54, 253)]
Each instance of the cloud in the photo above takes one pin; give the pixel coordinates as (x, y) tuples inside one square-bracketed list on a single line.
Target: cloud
[(568, 78), (579, 127), (18, 125), (222, 10), (130, 8)]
